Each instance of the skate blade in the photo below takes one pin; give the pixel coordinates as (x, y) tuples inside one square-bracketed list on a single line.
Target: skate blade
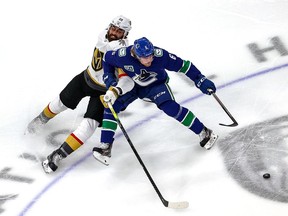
[(211, 142), (102, 159), (45, 167)]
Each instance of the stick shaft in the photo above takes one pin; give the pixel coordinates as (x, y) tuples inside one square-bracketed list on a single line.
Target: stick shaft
[(225, 109), (165, 202)]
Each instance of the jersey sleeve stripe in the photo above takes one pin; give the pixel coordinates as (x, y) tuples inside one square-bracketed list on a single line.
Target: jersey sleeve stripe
[(185, 67)]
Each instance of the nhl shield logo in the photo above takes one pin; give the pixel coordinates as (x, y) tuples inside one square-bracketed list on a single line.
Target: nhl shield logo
[(129, 68)]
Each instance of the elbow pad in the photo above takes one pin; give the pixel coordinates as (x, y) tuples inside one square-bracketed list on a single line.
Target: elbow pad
[(126, 84)]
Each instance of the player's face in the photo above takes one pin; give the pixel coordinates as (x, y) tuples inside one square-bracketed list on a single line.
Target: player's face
[(146, 61), (115, 33)]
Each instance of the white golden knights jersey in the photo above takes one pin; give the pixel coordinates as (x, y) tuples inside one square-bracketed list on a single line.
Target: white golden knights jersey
[(94, 72)]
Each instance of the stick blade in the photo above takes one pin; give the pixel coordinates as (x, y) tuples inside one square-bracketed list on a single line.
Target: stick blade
[(178, 205), (234, 124)]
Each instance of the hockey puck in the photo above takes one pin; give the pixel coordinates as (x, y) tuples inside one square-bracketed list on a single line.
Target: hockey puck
[(266, 175)]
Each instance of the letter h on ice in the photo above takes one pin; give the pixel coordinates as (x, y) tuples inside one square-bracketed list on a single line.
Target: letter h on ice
[(276, 45)]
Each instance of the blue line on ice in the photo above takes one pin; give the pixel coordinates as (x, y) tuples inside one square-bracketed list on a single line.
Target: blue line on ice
[(58, 178)]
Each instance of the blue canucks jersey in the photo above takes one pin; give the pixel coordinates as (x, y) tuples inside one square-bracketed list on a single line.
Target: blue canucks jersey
[(145, 76), (151, 84)]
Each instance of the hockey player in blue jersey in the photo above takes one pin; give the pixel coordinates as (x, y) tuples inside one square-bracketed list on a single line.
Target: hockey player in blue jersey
[(142, 74)]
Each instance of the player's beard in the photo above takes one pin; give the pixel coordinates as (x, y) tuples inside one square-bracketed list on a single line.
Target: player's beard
[(112, 37)]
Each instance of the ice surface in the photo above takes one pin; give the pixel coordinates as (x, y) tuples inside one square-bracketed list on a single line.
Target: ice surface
[(45, 44)]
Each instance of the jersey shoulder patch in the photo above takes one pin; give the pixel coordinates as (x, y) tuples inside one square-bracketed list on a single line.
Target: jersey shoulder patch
[(158, 52), (122, 52)]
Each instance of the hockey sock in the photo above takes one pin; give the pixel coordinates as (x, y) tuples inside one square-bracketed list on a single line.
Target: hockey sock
[(48, 113), (54, 107), (80, 135), (183, 115), (109, 126), (71, 144)]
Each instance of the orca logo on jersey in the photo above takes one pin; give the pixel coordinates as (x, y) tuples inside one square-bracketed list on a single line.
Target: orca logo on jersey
[(145, 78)]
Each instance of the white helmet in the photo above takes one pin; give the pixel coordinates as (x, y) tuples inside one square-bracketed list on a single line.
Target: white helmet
[(122, 23)]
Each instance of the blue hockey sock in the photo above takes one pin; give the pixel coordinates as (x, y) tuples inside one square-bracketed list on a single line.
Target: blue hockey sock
[(183, 115), (109, 126)]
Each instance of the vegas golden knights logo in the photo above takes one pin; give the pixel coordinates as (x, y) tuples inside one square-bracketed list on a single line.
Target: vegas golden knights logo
[(97, 59)]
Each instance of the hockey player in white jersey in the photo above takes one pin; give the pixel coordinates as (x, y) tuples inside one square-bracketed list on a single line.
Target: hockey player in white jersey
[(87, 83)]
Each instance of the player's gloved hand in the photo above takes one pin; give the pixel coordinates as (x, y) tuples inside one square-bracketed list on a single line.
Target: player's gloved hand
[(111, 96), (114, 45), (205, 85)]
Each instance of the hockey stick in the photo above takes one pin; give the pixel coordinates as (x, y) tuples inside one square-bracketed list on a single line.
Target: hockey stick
[(225, 109), (174, 205)]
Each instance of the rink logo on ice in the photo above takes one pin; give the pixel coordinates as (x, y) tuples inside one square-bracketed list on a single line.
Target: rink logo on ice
[(5, 198), (6, 175), (260, 51), (257, 149), (9, 176)]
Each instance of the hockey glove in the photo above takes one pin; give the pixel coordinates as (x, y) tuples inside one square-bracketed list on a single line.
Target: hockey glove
[(205, 84), (111, 96)]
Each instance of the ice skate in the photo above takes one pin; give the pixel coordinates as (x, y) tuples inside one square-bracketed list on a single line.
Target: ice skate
[(102, 153), (51, 163), (207, 138), (36, 124)]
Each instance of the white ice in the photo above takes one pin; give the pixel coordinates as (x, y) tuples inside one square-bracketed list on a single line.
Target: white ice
[(44, 44)]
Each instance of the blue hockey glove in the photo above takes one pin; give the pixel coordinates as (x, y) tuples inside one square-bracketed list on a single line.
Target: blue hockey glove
[(205, 84)]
